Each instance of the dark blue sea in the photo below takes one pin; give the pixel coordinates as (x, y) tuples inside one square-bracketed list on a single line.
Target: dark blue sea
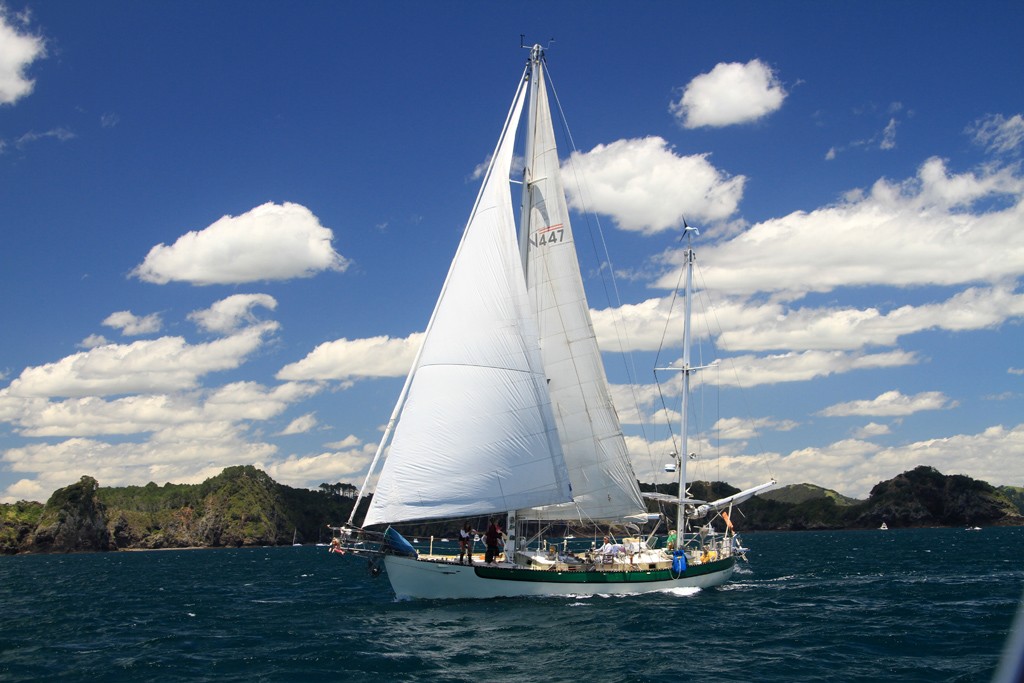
[(901, 605)]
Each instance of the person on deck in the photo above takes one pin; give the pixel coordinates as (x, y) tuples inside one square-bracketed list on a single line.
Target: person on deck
[(466, 534), (609, 549), (492, 537)]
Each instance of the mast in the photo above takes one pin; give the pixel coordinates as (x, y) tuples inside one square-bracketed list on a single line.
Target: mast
[(532, 69), (689, 256), (533, 66)]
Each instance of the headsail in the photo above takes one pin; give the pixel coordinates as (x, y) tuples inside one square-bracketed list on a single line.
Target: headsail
[(604, 485), (477, 434)]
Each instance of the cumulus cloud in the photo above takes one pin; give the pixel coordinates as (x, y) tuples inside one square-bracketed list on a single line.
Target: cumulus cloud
[(132, 325), (899, 234), (872, 429), (142, 413), (730, 93), (186, 456), (646, 187), (146, 366), (345, 359), (749, 371), (350, 441), (92, 341), (892, 403), (227, 315), (270, 242), (310, 470), (748, 428), (300, 425), (18, 50), (189, 436), (853, 467), (975, 308), (850, 466)]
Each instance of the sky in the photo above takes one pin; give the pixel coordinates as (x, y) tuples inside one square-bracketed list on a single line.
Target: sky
[(225, 226)]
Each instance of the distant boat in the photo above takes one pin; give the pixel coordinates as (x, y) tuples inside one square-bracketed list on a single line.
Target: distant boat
[(295, 538), (973, 528), (507, 409), (884, 527)]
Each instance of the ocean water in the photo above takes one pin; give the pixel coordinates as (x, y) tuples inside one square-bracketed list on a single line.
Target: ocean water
[(902, 605)]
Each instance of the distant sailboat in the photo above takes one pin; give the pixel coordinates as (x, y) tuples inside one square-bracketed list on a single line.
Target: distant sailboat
[(295, 537), (507, 410), (884, 527)]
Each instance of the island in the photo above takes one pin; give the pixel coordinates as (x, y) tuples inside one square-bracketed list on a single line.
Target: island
[(243, 506)]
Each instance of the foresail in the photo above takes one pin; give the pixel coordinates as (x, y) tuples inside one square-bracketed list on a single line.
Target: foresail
[(477, 433), (604, 485)]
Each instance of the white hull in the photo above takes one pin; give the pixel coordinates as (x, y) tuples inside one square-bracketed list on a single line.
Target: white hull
[(422, 579)]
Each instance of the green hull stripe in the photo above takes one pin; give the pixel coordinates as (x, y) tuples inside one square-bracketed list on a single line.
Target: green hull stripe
[(636, 576)]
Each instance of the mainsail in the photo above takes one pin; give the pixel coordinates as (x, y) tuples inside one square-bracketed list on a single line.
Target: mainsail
[(477, 433), (604, 485)]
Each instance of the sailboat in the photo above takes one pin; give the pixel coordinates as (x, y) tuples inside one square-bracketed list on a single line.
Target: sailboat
[(507, 412)]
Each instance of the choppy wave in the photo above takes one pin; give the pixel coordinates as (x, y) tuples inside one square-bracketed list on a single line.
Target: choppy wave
[(915, 605)]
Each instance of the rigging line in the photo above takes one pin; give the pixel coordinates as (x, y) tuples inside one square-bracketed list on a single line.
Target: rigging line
[(629, 362), (657, 357), (739, 385)]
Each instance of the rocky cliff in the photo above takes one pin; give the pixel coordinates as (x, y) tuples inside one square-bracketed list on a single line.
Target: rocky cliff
[(242, 506), (73, 519)]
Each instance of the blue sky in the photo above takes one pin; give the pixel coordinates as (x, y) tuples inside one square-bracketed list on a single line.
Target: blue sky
[(225, 224)]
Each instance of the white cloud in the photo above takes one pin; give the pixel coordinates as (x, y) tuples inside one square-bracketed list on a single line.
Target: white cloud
[(889, 135), (853, 467), (186, 456), (17, 52), (270, 242), (748, 428), (309, 471), (300, 425), (892, 403), (850, 466), (345, 359), (132, 325), (758, 325), (998, 134), (646, 187), (92, 341), (350, 441), (872, 429), (191, 435), (94, 416), (648, 404), (227, 315), (899, 234), (253, 401), (60, 133), (730, 93), (750, 371), (850, 328), (146, 366)]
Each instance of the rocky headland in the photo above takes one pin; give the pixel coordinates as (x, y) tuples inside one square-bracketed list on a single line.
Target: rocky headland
[(243, 506)]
